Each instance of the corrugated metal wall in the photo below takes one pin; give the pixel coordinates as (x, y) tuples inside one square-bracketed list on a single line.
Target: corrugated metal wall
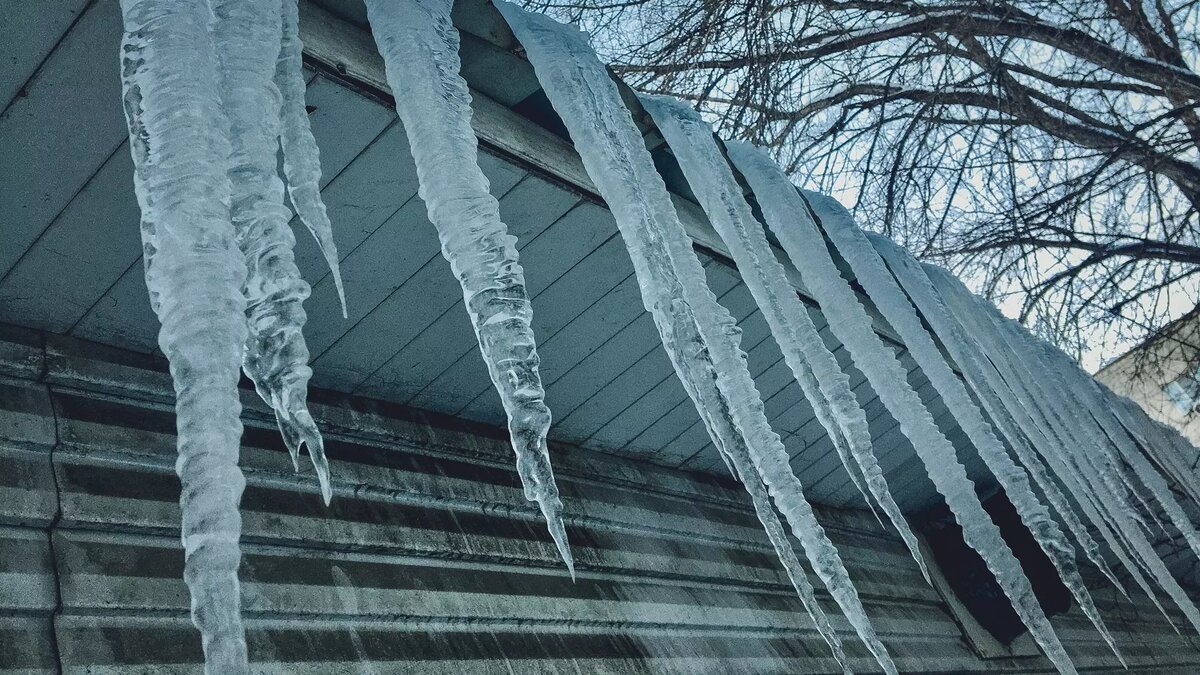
[(429, 559)]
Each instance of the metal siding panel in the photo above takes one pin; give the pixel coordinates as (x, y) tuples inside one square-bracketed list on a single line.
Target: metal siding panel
[(372, 271), (584, 334), (572, 388)]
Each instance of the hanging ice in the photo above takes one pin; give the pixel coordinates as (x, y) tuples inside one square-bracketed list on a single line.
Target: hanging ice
[(1034, 424), (689, 319), (1088, 396), (301, 158), (699, 379), (1162, 443), (1008, 348), (247, 35), (985, 382), (894, 305), (816, 369), (787, 215), (1091, 398), (1030, 349), (194, 271), (419, 45)]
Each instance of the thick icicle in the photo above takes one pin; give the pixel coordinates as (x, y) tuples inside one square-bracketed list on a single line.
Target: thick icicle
[(1012, 350), (1029, 348), (985, 383), (894, 305), (1028, 413), (419, 45), (247, 35), (1091, 398), (815, 368), (699, 380), (788, 216), (689, 319), (194, 272), (301, 158)]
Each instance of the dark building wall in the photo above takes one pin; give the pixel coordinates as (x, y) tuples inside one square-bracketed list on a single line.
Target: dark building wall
[(429, 559)]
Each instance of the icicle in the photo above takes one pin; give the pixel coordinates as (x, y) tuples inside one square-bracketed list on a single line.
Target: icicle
[(787, 215), (1160, 442), (419, 45), (689, 319), (178, 139), (1012, 350), (868, 268), (1029, 413), (1099, 464), (247, 36), (1093, 400), (699, 381), (984, 380), (816, 369), (301, 158)]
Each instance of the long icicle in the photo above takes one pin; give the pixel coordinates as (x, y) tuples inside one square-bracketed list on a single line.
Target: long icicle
[(896, 308), (672, 280), (247, 35), (1099, 464), (1006, 349), (1025, 346), (194, 272), (788, 216), (1109, 416), (985, 383), (1162, 447), (301, 158), (815, 368), (419, 45), (1016, 387), (1090, 398), (700, 381)]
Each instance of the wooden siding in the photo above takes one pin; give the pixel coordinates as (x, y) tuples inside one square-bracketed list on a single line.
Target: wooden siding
[(429, 559)]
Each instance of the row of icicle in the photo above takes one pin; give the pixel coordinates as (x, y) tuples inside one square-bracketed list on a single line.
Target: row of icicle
[(214, 95)]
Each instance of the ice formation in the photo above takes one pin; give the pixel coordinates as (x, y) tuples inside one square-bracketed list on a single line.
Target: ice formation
[(213, 91), (693, 326), (247, 37), (1051, 445), (699, 379), (1048, 359), (1008, 349), (178, 136), (815, 368), (894, 305), (787, 214), (301, 158), (1089, 395), (419, 45), (988, 387), (1164, 444)]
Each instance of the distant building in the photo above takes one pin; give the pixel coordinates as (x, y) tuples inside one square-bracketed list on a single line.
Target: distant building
[(1163, 376)]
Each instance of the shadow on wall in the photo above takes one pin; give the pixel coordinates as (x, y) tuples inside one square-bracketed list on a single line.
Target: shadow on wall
[(974, 584)]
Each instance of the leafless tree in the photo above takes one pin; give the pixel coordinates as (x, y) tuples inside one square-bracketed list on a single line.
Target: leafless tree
[(1046, 150)]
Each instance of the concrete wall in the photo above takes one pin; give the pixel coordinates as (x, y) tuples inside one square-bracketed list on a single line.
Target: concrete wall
[(429, 559)]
